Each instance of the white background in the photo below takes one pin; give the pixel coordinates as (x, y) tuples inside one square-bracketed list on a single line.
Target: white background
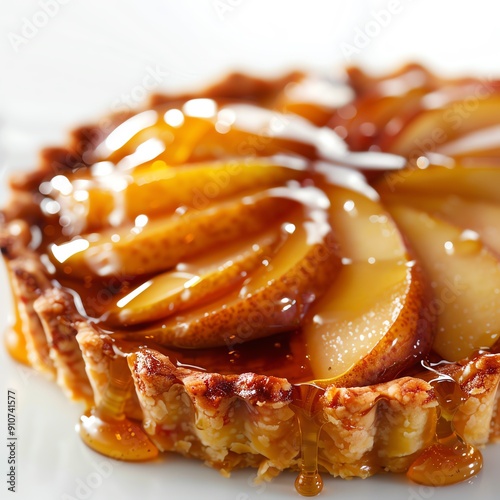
[(75, 60), (80, 62)]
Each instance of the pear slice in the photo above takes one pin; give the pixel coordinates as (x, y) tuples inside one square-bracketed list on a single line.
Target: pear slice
[(188, 285), (474, 215), (465, 278), (436, 125), (377, 110), (203, 131), (364, 229), (273, 299), (367, 326), (480, 144), (164, 189), (174, 140), (479, 183), (160, 244), (160, 189)]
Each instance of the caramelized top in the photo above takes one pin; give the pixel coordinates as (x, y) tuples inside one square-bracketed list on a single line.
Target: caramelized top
[(215, 226), (202, 224)]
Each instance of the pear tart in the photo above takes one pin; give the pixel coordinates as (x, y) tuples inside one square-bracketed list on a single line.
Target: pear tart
[(294, 273)]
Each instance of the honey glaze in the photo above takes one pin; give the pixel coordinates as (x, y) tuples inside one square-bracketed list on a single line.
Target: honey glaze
[(107, 430), (306, 398), (449, 459)]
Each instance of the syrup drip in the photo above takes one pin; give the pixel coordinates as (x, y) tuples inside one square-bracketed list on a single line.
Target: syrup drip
[(105, 428), (310, 419), (450, 459), (14, 340)]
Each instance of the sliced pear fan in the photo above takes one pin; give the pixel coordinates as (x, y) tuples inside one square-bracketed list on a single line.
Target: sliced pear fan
[(162, 243), (190, 284), (273, 299)]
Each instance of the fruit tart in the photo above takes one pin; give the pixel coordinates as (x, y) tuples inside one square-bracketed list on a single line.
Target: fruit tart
[(283, 274)]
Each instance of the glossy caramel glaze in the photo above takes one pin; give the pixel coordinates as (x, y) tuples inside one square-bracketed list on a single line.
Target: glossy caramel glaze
[(220, 129)]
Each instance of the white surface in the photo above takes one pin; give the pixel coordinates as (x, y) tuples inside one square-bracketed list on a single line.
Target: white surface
[(91, 57)]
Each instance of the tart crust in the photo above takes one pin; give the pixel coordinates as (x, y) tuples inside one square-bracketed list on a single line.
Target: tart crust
[(235, 421)]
